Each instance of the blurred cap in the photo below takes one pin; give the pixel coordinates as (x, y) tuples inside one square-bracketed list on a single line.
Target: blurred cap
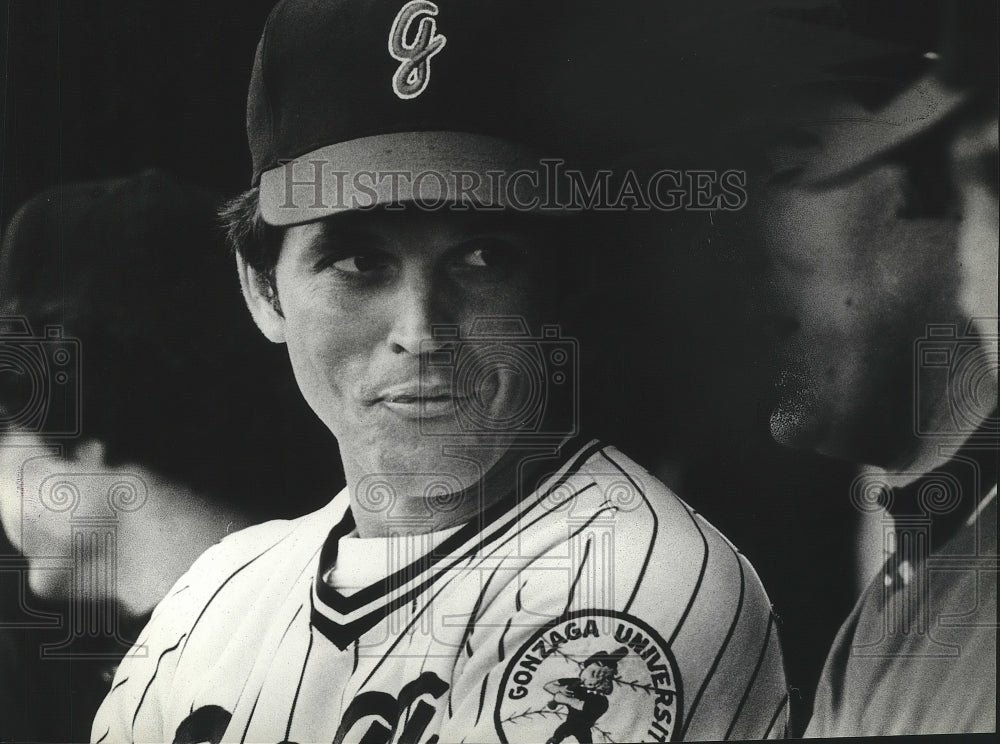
[(78, 254), (961, 71), (851, 144)]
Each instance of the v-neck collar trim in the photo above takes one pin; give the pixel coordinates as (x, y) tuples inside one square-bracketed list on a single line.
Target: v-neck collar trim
[(343, 619)]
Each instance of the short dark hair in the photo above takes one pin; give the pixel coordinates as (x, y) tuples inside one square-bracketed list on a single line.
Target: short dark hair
[(250, 237), (174, 376)]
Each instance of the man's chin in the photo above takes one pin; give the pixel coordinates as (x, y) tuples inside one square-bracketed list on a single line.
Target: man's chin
[(790, 427), (463, 457), (796, 412), (799, 420), (809, 430)]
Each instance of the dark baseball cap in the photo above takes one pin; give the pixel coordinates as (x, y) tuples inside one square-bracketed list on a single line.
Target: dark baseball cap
[(354, 91)]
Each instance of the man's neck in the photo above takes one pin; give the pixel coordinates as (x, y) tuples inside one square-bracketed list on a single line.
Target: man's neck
[(930, 452), (952, 483), (393, 504)]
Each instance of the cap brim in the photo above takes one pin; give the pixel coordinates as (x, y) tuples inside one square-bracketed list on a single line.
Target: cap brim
[(853, 144), (431, 169)]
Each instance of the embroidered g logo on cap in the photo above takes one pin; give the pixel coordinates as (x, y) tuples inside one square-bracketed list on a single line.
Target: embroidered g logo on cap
[(414, 50)]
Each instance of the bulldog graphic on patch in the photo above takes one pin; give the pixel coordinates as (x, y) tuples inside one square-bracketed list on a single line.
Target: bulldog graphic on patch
[(591, 676)]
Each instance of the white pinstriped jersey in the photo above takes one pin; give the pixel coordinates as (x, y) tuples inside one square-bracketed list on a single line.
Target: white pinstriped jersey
[(494, 635)]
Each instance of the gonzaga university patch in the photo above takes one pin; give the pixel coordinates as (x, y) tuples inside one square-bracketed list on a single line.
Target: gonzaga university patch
[(592, 675)]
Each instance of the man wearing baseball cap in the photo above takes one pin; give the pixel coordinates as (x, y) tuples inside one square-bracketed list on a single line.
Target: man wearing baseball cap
[(883, 364), (396, 241), (917, 655)]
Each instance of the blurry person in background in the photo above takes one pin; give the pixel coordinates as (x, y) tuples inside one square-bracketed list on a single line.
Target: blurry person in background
[(687, 278), (861, 266), (878, 216), (142, 418)]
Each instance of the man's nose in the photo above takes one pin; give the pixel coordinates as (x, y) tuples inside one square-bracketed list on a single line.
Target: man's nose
[(418, 306)]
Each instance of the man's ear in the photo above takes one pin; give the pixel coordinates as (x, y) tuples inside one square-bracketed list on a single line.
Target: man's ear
[(262, 301)]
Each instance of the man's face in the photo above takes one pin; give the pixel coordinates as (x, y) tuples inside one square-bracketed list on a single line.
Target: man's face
[(857, 270), (360, 295), (596, 676)]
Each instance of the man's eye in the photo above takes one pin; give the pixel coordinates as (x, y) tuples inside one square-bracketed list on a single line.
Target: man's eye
[(491, 254), (359, 264), (479, 257)]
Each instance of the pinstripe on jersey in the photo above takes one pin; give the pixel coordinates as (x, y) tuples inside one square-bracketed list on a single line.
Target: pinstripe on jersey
[(253, 645)]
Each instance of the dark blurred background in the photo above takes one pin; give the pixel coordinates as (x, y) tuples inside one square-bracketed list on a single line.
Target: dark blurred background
[(100, 89), (106, 88)]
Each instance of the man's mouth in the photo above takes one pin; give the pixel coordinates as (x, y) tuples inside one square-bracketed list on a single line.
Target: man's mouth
[(415, 401)]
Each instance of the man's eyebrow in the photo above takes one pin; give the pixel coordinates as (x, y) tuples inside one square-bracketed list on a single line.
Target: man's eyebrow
[(332, 234), (503, 222)]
